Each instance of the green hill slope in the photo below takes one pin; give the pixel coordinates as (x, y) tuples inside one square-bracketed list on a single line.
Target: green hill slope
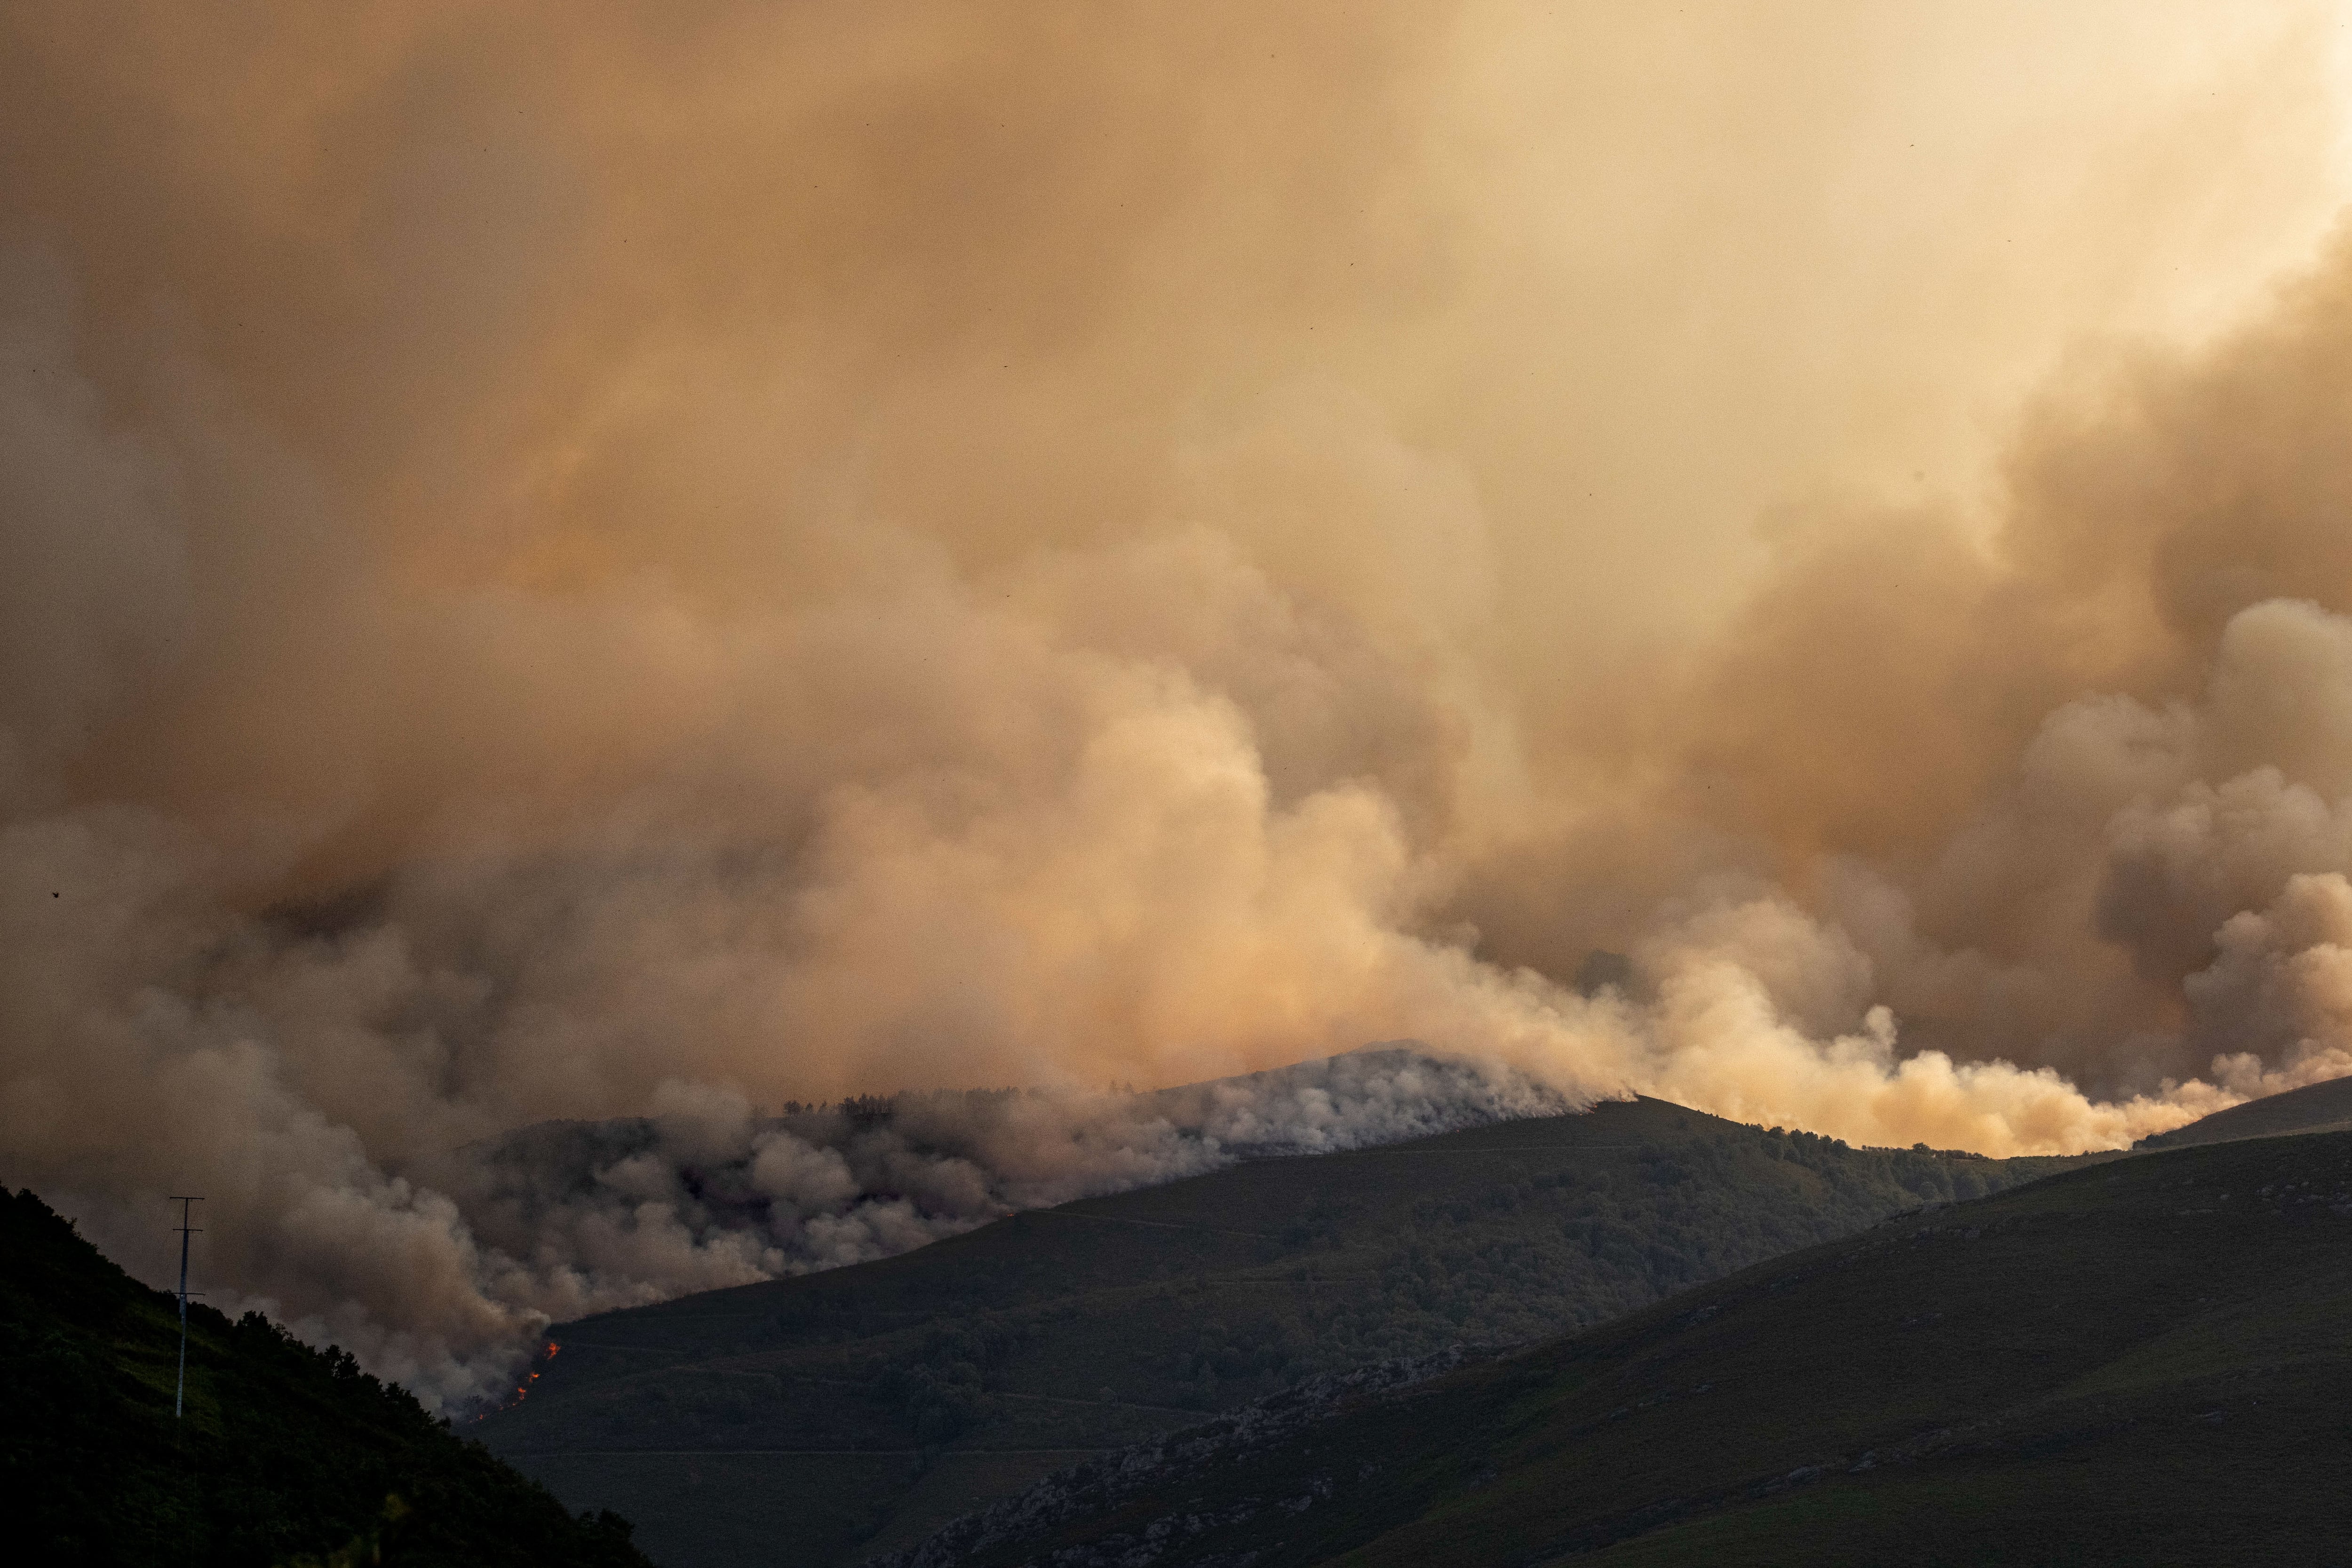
[(287, 1455), (2315, 1107), (817, 1419), (2141, 1361)]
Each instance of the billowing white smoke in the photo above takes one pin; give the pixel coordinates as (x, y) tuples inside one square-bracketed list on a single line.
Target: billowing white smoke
[(294, 1073), (439, 1278), (806, 551), (2282, 990), (707, 1191), (2204, 848), (1202, 826)]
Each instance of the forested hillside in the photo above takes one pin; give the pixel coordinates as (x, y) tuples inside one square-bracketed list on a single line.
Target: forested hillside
[(286, 1456), (2140, 1363), (815, 1420)]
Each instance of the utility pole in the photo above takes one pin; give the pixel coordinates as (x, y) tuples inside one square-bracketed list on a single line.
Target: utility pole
[(180, 1397)]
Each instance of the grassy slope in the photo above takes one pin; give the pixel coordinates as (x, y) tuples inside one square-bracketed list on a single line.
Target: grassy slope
[(2116, 1365), (2315, 1107), (817, 1419), (286, 1455)]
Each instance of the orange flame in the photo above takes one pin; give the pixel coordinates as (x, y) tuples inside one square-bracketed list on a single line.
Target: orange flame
[(522, 1389)]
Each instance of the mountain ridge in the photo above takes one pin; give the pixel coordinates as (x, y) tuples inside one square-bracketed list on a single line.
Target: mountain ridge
[(922, 1385), (2325, 1107), (2131, 1362)]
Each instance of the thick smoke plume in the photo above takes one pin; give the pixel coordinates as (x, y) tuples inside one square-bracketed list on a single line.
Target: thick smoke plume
[(707, 1190), (568, 574)]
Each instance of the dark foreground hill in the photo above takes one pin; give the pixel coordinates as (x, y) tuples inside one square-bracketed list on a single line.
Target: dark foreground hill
[(287, 1455), (815, 1420), (2315, 1107), (2141, 1361)]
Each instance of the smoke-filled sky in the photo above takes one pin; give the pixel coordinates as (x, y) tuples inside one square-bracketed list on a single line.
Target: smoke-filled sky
[(654, 560)]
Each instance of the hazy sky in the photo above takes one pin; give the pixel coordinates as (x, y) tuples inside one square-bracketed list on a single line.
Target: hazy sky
[(560, 556)]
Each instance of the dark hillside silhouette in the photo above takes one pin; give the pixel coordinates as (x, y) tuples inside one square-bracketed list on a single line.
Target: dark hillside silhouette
[(817, 1419), (287, 1455), (2140, 1362), (2315, 1107)]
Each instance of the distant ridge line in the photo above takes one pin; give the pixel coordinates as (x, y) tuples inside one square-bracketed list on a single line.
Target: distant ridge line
[(1149, 1224), (772, 1454), (1253, 1159)]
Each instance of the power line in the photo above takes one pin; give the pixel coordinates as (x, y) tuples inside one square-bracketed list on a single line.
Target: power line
[(180, 1395)]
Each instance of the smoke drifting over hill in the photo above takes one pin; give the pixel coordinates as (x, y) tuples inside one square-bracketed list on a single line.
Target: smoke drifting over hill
[(646, 562), (710, 1193)]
